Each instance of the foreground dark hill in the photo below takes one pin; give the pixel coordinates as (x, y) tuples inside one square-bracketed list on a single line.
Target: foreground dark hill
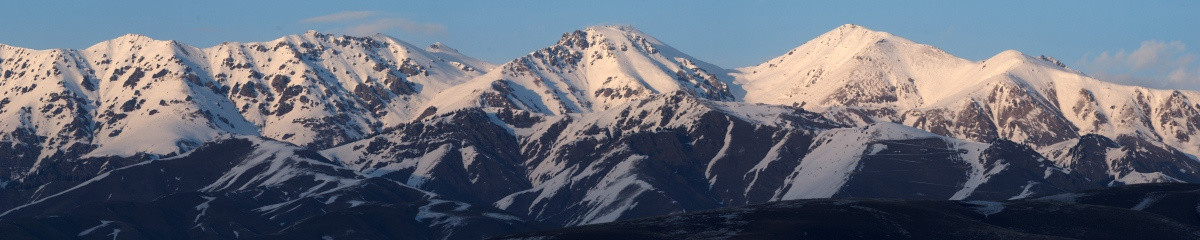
[(1147, 211), (249, 188)]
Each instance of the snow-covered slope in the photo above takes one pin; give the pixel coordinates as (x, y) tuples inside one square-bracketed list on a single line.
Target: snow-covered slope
[(589, 70), (884, 69), (45, 107), (856, 75), (321, 90), (155, 97), (134, 95)]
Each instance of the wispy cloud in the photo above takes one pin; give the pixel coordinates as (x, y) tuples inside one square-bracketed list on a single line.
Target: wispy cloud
[(340, 17), (1155, 63), (372, 22), (405, 25)]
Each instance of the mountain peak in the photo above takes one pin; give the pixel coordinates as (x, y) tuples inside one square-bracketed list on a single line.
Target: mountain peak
[(134, 42), (133, 38), (1017, 57), (615, 27), (613, 34), (1009, 54), (848, 41), (592, 69), (329, 39), (850, 34), (852, 27), (313, 33), (617, 31), (440, 47)]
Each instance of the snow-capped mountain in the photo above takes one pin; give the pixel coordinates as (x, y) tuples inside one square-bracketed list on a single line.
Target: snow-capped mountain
[(144, 86), (589, 70), (861, 76), (857, 76), (321, 90), (135, 95), (605, 124)]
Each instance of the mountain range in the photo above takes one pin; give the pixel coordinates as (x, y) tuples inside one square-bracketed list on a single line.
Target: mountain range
[(372, 137)]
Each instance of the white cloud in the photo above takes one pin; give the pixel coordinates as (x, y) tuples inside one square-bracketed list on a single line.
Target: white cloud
[(385, 24), (340, 17), (1152, 53), (363, 23), (1155, 63)]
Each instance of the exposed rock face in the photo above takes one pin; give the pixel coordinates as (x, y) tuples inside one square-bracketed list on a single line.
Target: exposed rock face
[(461, 155), (665, 154), (677, 153)]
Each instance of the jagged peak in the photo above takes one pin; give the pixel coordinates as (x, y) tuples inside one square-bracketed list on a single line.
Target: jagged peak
[(311, 32), (611, 28), (5, 49), (1053, 60), (11, 47), (329, 39), (137, 41), (619, 31), (314, 34), (1014, 56), (615, 34), (852, 27), (440, 47), (308, 36), (577, 39)]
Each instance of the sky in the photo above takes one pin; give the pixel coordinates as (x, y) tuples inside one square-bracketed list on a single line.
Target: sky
[(1147, 43)]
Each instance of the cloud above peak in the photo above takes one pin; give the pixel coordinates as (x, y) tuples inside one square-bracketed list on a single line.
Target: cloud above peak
[(363, 23), (340, 17), (1155, 63), (404, 25)]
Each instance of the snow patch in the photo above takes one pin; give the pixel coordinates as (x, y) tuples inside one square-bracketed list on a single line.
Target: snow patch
[(987, 208), (103, 223)]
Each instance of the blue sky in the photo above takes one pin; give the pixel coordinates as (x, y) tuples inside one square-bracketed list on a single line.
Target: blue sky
[(1134, 42)]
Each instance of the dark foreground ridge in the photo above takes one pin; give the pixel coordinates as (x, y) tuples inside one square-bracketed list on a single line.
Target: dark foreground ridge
[(1144, 211), (253, 189)]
